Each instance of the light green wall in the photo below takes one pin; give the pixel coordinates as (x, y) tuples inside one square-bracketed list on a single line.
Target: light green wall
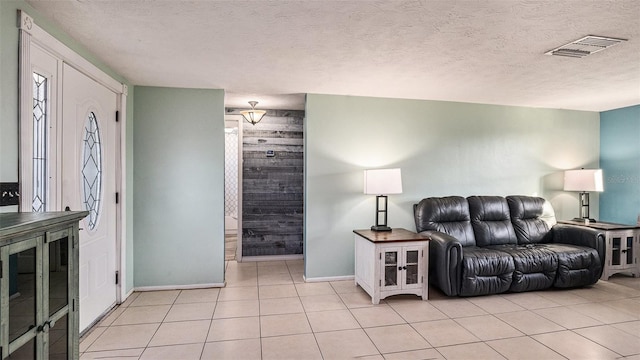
[(9, 42), (620, 162), (179, 186), (443, 148), (9, 92), (128, 201)]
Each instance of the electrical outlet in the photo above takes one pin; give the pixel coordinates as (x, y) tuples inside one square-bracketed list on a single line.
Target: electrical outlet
[(9, 194)]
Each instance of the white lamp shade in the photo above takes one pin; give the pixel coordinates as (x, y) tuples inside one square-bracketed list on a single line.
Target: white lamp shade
[(253, 116), (583, 180), (382, 181)]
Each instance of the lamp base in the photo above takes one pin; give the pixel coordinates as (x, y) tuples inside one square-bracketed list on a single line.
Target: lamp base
[(583, 219), (380, 228)]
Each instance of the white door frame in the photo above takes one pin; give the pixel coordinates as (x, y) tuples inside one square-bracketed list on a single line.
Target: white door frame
[(30, 33), (238, 119)]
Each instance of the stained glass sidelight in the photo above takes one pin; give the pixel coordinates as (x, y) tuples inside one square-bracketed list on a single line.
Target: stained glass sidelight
[(91, 169), (40, 116)]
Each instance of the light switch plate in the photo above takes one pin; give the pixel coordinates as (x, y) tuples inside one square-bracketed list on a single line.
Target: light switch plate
[(9, 193)]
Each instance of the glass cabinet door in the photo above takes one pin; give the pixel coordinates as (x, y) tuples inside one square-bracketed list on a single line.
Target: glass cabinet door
[(412, 267), (36, 317), (58, 299), (622, 244), (391, 267), (616, 251), (629, 250), (401, 267), (58, 275), (21, 288)]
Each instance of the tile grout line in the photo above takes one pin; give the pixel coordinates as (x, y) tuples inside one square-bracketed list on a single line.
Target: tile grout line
[(159, 325), (536, 340), (313, 333), (210, 321), (360, 324), (629, 318), (598, 343)]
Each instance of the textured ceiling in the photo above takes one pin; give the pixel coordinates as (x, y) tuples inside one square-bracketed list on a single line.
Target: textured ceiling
[(481, 51)]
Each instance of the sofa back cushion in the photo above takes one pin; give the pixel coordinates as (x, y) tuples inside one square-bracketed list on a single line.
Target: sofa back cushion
[(449, 215), (491, 220), (532, 217)]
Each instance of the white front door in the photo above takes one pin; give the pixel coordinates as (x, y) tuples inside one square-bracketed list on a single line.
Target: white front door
[(89, 153)]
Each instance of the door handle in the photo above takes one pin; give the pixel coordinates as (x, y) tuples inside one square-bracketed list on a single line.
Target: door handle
[(45, 326)]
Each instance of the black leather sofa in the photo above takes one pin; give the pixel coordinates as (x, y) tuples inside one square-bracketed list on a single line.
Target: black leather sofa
[(491, 244)]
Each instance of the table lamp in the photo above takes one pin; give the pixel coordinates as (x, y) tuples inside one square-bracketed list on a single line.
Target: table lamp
[(382, 182), (583, 180)]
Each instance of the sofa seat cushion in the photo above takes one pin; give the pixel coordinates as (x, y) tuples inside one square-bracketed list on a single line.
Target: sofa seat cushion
[(485, 271), (535, 266), (577, 265)]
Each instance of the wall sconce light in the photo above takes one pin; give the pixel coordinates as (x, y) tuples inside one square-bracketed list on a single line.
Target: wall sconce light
[(382, 182), (253, 116), (583, 180)]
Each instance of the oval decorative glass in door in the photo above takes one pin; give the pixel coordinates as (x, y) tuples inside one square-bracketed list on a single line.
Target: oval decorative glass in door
[(91, 169)]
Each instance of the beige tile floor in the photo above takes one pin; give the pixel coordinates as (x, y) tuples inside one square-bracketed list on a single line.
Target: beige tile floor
[(268, 312)]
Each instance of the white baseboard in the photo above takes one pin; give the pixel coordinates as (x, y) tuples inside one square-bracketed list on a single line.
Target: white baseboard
[(329, 278), (179, 287)]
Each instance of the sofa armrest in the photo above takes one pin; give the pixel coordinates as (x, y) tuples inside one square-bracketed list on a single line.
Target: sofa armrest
[(445, 257), (580, 235)]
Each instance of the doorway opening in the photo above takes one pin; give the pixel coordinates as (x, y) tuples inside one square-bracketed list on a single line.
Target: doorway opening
[(268, 220), (272, 192), (232, 188)]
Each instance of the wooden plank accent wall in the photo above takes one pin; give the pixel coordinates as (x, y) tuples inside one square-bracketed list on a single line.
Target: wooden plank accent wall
[(272, 187)]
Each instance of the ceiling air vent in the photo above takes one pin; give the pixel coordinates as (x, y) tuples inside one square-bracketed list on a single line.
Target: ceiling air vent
[(585, 46)]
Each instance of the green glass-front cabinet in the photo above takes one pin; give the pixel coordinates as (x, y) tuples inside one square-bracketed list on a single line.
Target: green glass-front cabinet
[(39, 316)]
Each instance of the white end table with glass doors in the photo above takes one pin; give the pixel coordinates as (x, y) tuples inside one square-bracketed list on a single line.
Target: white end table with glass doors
[(391, 263)]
